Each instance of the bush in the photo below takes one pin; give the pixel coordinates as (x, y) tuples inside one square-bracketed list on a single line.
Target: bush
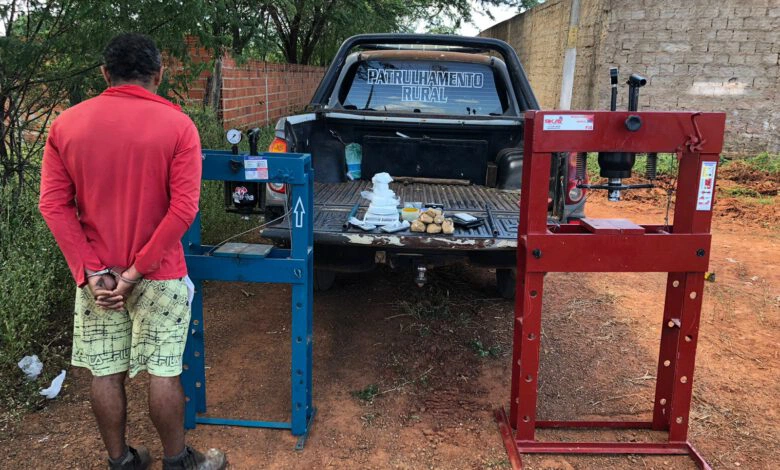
[(218, 225), (37, 289), (212, 136)]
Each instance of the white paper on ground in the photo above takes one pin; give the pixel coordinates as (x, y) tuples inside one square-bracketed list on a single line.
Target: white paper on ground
[(55, 387), (31, 366), (190, 289)]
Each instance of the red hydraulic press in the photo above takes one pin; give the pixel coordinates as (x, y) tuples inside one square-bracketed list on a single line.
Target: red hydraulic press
[(681, 249)]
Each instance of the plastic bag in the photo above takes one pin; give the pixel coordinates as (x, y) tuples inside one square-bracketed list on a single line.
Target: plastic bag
[(55, 387), (383, 177), (31, 366)]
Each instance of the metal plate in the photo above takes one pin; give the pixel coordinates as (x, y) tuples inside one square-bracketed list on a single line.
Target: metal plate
[(243, 250)]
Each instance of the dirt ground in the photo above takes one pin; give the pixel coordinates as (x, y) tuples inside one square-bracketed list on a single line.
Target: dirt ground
[(408, 378)]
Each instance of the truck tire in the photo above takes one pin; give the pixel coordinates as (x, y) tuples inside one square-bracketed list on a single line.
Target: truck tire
[(323, 279), (505, 282)]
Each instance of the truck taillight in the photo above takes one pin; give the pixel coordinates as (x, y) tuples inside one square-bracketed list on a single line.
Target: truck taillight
[(278, 145), (277, 187)]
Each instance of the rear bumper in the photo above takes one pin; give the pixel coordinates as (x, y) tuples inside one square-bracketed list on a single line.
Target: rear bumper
[(393, 242), (360, 252)]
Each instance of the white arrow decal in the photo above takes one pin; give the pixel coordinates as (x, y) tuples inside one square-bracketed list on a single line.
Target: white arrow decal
[(299, 211)]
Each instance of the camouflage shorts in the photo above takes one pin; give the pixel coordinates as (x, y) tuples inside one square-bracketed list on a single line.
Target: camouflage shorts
[(149, 334)]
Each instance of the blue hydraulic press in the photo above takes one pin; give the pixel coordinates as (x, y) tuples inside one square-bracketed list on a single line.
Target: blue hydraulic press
[(257, 263)]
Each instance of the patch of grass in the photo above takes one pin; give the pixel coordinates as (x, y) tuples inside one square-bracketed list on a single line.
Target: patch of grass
[(665, 166), (764, 162), (741, 191), (482, 351), (765, 201), (366, 394), (432, 303)]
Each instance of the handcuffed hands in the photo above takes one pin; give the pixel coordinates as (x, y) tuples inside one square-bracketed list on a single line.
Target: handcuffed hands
[(96, 283), (111, 291)]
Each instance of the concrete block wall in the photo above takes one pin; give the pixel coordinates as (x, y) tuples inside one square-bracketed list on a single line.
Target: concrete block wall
[(539, 37), (705, 55)]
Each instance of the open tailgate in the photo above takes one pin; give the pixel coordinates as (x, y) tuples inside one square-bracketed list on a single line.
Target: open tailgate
[(333, 203)]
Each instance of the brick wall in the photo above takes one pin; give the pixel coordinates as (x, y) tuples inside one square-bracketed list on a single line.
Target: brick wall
[(707, 55), (259, 93), (256, 93)]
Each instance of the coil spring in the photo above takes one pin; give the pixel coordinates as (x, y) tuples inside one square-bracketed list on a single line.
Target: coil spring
[(651, 167), (582, 166)]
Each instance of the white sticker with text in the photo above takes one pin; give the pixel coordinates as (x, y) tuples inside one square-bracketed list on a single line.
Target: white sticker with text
[(427, 86), (255, 168), (706, 186), (568, 122)]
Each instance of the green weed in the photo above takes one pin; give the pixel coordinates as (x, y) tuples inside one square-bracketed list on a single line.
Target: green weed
[(741, 191), (366, 394), (481, 351), (429, 304), (763, 162)]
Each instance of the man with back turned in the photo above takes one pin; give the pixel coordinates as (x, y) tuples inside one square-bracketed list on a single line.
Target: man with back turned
[(119, 187)]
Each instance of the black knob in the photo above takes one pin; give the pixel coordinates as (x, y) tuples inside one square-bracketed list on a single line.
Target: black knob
[(636, 80), (633, 123)]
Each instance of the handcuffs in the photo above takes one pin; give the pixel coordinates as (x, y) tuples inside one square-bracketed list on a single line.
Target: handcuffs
[(116, 271)]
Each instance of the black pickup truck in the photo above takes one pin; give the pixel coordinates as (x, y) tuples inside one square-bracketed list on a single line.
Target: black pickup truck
[(444, 116)]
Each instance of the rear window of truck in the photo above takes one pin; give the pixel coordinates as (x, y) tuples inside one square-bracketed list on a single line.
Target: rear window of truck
[(428, 87)]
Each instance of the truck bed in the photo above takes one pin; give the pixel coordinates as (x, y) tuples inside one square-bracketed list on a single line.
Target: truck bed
[(333, 203)]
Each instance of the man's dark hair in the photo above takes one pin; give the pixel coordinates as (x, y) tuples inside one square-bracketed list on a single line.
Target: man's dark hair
[(132, 56)]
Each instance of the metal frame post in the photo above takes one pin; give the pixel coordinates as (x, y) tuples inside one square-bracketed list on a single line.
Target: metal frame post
[(289, 266), (615, 245)]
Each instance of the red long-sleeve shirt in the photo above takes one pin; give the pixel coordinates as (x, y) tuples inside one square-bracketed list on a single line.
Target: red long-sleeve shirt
[(120, 183)]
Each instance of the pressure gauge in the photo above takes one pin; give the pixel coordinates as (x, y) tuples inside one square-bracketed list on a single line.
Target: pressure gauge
[(234, 136)]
